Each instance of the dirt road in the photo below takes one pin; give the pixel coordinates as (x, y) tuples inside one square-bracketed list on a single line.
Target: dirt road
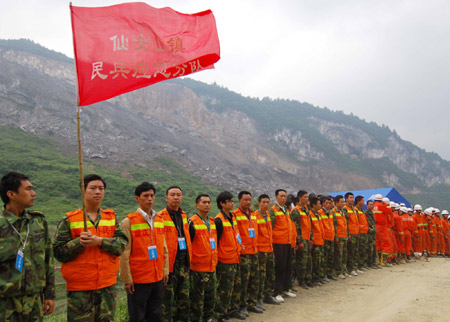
[(413, 292)]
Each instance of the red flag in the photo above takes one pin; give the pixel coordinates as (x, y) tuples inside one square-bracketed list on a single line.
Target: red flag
[(128, 46)]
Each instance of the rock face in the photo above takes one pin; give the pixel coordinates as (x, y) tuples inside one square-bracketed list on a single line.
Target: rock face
[(227, 148)]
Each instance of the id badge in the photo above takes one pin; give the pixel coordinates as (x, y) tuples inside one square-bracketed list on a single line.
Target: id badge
[(212, 241), (152, 253), (251, 232), (19, 261), (238, 237), (182, 243)]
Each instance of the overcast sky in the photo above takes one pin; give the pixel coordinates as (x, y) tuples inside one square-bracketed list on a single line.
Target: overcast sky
[(385, 60)]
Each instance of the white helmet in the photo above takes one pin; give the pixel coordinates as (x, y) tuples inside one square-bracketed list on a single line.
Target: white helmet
[(402, 204), (417, 207), (397, 206), (444, 212), (428, 211), (409, 209), (386, 200), (378, 197), (437, 210), (404, 209), (392, 204)]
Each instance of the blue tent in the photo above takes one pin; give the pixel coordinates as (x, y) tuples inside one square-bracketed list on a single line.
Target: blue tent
[(389, 192)]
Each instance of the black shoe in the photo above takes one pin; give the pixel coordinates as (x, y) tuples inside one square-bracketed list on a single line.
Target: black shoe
[(271, 300), (243, 310), (310, 284), (293, 289), (331, 277), (237, 315), (303, 285), (255, 309)]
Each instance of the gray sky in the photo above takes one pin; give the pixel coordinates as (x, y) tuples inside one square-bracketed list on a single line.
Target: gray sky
[(385, 60)]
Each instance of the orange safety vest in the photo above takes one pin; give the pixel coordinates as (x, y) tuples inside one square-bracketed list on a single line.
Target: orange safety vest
[(264, 242), (249, 244), (363, 223), (143, 269), (317, 229), (341, 231), (229, 247), (281, 232), (93, 268), (305, 222), (353, 225), (171, 234), (204, 258), (328, 225)]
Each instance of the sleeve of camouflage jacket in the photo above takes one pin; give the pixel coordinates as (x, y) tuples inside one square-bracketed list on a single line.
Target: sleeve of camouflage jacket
[(65, 248), (49, 289), (273, 218), (117, 243), (295, 217)]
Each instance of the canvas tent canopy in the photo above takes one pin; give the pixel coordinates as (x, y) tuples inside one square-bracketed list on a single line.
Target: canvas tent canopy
[(369, 194)]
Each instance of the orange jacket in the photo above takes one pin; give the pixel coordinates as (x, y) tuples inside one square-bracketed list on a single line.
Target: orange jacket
[(249, 244), (363, 223), (93, 268), (229, 248), (204, 258), (264, 233), (281, 232), (317, 228), (305, 223), (398, 227), (341, 229), (171, 234), (380, 213), (143, 269), (353, 225), (328, 225)]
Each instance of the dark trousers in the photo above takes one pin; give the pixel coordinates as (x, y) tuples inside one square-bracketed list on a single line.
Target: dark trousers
[(146, 302), (283, 267)]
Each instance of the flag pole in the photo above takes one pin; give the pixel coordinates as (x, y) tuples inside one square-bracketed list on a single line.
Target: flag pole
[(80, 163)]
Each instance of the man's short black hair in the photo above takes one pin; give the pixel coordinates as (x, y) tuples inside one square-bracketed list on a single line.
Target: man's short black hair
[(11, 182), (313, 200), (278, 191), (263, 196), (242, 193), (200, 196), (172, 187), (358, 199), (338, 198), (144, 186), (224, 196), (369, 201), (290, 199), (348, 194), (324, 198), (93, 177), (301, 193)]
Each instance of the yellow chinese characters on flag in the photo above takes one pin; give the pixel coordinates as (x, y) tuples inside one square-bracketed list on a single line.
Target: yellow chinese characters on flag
[(128, 46)]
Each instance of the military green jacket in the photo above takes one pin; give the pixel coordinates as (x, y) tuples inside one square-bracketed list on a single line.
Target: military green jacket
[(38, 272), (371, 220), (67, 249)]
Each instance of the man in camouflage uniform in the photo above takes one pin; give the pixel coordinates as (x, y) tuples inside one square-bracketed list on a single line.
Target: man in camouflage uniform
[(340, 241), (27, 279), (93, 302), (372, 258)]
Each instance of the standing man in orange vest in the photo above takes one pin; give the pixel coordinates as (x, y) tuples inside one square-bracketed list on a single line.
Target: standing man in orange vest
[(318, 272), (246, 293), (227, 270), (302, 221), (372, 258), (281, 234), (90, 259), (446, 231), (265, 253), (353, 235), (144, 264), (417, 230), (364, 247), (202, 230), (329, 235), (176, 230), (340, 241)]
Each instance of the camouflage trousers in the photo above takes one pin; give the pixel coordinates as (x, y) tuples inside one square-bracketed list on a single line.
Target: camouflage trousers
[(352, 253), (266, 275), (176, 293), (96, 305), (22, 308), (318, 271), (328, 254), (363, 253), (372, 258), (226, 275), (245, 293), (340, 256), (303, 260), (203, 295)]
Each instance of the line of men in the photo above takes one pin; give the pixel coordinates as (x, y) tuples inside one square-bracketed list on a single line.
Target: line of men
[(176, 268)]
